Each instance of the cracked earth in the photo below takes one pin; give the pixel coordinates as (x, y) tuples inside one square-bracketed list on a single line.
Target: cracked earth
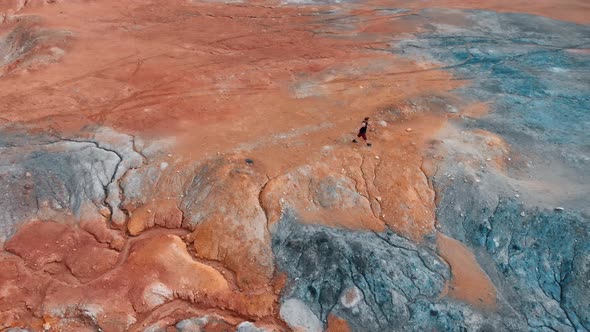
[(188, 166)]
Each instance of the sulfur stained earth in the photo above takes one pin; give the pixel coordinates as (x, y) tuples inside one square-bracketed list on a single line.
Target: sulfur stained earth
[(189, 165)]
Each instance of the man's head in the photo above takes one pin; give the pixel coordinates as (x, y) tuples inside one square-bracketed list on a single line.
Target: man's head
[(367, 119)]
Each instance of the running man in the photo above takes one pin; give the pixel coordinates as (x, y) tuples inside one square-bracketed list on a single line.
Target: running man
[(363, 131)]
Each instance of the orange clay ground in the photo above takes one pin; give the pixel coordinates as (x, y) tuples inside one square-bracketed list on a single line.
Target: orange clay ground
[(272, 81)]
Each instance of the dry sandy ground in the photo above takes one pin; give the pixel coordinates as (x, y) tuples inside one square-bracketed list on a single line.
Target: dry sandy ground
[(275, 82)]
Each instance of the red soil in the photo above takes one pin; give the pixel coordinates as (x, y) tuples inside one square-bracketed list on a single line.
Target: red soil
[(337, 324), (469, 282)]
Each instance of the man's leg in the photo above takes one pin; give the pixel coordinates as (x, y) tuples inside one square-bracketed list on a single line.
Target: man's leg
[(364, 136)]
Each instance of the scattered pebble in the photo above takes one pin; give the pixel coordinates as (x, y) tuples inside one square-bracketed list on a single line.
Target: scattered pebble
[(376, 157), (477, 180), (383, 123), (559, 208), (163, 165), (408, 129), (28, 174), (488, 159), (249, 161), (378, 198), (522, 214), (169, 155), (517, 195)]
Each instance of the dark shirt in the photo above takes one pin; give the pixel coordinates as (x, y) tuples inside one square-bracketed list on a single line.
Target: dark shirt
[(363, 129)]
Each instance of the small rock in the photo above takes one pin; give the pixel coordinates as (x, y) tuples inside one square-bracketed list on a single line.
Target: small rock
[(559, 208), (249, 327), (517, 195), (383, 123), (408, 129), (477, 180), (28, 174), (378, 198), (169, 155), (299, 317), (488, 159), (249, 161), (376, 157), (351, 297), (46, 326), (522, 214)]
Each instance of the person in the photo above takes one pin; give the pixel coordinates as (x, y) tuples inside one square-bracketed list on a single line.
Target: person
[(363, 131)]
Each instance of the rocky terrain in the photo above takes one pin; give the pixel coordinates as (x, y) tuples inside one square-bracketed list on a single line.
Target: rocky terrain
[(188, 166)]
